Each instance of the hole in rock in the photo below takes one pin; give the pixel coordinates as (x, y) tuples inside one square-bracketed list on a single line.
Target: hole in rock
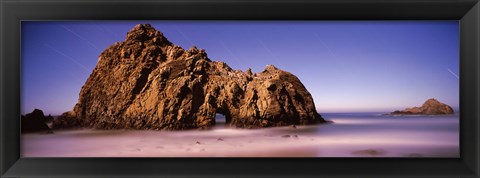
[(220, 119)]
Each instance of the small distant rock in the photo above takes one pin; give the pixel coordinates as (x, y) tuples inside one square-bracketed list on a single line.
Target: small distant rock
[(286, 136), (35, 122), (35, 114), (198, 143), (430, 107), (219, 139)]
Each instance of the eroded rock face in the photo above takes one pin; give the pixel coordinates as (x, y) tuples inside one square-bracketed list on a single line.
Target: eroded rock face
[(146, 82), (430, 107)]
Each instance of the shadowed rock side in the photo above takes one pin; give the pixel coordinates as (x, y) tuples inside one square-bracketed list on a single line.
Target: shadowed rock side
[(430, 107), (146, 82), (35, 122)]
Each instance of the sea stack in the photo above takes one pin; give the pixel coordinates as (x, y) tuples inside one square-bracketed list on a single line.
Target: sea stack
[(430, 107), (35, 121), (146, 82)]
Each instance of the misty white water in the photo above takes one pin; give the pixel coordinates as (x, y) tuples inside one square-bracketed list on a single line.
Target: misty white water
[(351, 135)]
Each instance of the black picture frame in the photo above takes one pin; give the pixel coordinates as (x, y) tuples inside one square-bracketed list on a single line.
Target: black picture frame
[(14, 11)]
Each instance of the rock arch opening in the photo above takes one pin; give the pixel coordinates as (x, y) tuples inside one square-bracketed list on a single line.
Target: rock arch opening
[(222, 117)]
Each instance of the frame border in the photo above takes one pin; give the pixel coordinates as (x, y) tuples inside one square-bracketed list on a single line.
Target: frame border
[(12, 12)]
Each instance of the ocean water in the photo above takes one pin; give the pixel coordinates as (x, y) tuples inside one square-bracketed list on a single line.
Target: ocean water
[(350, 135)]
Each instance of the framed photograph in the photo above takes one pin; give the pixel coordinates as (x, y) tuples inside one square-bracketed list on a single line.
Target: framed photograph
[(240, 88)]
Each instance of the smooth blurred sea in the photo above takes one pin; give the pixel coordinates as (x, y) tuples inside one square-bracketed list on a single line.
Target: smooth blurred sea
[(351, 135)]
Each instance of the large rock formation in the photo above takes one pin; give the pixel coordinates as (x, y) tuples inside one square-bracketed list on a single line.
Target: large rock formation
[(430, 107), (35, 122), (146, 82)]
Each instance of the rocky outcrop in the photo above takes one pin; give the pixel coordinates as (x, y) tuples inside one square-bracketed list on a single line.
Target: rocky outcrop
[(146, 82), (430, 107), (35, 122)]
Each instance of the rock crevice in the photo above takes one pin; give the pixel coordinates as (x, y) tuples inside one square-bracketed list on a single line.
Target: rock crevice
[(146, 82)]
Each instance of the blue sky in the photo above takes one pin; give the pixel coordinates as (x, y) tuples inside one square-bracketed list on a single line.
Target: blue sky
[(348, 66)]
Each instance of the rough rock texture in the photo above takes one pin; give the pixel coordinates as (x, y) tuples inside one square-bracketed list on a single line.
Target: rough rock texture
[(35, 122), (146, 82), (430, 107)]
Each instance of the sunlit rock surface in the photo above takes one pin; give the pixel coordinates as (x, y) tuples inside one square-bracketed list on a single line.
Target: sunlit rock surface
[(146, 82)]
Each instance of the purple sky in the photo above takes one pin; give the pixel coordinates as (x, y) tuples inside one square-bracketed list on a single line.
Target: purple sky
[(348, 66)]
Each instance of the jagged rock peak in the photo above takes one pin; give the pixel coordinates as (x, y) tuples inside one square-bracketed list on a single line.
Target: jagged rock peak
[(145, 32), (249, 72), (432, 102), (270, 67)]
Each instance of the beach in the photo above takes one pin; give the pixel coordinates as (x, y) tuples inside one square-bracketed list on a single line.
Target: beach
[(350, 135)]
